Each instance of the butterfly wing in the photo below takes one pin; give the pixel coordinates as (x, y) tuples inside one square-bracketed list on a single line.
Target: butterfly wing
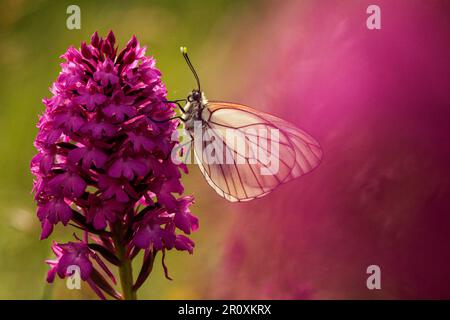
[(239, 135)]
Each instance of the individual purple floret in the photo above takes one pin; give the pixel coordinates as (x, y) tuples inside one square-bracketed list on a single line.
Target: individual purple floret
[(103, 165)]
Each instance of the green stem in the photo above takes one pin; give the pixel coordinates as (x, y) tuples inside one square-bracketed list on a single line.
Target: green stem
[(125, 268), (126, 280)]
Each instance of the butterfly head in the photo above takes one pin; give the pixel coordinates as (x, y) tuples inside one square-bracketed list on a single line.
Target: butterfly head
[(195, 96)]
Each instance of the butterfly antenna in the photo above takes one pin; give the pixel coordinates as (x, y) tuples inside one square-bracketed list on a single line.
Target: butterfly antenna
[(185, 55)]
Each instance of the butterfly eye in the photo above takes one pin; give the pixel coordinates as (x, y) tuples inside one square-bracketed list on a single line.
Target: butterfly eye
[(196, 95)]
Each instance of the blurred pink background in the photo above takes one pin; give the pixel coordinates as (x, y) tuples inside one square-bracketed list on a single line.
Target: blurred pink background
[(378, 102)]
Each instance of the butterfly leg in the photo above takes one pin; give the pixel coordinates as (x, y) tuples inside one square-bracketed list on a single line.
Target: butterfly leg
[(165, 120), (177, 102)]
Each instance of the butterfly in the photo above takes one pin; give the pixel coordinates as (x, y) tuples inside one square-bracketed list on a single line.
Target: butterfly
[(243, 153)]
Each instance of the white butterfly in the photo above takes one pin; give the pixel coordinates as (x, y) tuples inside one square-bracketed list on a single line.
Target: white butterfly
[(240, 178)]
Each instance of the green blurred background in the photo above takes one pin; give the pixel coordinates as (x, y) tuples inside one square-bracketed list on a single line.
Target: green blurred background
[(33, 35)]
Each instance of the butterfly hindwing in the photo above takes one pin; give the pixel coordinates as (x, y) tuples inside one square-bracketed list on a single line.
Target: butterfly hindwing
[(245, 154)]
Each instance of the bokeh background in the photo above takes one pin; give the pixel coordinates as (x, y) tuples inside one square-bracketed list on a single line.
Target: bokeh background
[(377, 100)]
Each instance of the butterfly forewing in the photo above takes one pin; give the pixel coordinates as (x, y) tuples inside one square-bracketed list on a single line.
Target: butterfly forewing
[(245, 154)]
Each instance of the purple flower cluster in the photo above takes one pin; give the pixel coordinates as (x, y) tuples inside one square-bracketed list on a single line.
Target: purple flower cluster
[(103, 161)]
